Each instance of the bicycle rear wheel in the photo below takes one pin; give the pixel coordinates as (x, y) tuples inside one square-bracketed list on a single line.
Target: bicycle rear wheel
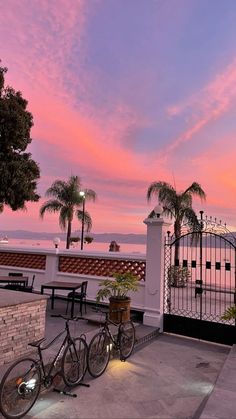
[(98, 354), (74, 362), (20, 388), (126, 335)]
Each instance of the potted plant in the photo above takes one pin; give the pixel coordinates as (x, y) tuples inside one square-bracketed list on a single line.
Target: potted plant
[(178, 277), (230, 313), (116, 290)]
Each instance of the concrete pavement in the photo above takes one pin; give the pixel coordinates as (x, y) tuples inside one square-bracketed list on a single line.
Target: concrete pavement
[(168, 378)]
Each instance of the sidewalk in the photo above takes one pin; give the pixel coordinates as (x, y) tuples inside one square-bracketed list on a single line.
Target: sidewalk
[(168, 378), (222, 401)]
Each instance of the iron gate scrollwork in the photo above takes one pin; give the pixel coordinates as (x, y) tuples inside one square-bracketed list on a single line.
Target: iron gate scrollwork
[(200, 283)]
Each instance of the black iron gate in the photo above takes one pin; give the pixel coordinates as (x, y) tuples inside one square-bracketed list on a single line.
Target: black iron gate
[(200, 283)]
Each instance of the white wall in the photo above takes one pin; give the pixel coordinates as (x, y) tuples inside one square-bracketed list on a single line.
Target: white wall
[(51, 272)]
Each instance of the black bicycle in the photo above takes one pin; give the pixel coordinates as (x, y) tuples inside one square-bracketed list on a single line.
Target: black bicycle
[(20, 386), (99, 349)]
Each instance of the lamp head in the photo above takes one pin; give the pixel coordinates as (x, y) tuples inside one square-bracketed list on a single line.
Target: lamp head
[(56, 241), (158, 210)]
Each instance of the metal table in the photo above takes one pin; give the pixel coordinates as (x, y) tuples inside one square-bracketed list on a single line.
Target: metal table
[(59, 285)]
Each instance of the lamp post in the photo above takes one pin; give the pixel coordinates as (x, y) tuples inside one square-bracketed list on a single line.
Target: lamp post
[(82, 194)]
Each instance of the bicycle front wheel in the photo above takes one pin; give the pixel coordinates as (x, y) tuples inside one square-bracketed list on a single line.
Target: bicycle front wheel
[(20, 388), (126, 335), (98, 354), (74, 362)]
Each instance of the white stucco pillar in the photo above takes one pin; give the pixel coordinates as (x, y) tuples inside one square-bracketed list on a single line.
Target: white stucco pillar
[(51, 266), (154, 282)]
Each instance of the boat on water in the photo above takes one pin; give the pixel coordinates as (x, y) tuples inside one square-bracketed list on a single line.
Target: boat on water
[(4, 240)]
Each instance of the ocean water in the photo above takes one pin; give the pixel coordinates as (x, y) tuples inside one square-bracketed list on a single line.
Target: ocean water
[(48, 244)]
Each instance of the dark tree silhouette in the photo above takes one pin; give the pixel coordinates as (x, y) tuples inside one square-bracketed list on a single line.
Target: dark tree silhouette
[(18, 172)]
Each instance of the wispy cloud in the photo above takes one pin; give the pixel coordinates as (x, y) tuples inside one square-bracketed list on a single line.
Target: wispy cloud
[(205, 106)]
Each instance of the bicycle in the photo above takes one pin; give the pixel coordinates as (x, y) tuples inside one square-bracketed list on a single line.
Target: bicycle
[(99, 349), (20, 386)]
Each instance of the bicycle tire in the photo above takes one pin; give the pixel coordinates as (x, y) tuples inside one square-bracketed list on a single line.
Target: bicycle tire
[(74, 362), (126, 335), (98, 354), (19, 388)]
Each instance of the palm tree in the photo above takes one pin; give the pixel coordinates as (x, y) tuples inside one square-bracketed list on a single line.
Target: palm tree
[(67, 200), (177, 205)]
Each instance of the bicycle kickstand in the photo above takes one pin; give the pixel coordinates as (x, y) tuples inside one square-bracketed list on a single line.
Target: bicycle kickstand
[(66, 393)]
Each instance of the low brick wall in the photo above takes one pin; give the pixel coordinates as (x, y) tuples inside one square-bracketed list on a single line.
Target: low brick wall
[(22, 321)]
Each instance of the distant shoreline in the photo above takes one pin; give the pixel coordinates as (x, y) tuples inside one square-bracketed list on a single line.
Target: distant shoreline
[(129, 238), (94, 246)]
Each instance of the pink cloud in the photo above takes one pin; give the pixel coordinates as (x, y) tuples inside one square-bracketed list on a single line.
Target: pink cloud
[(213, 101)]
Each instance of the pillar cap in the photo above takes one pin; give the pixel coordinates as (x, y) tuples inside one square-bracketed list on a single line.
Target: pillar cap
[(156, 221)]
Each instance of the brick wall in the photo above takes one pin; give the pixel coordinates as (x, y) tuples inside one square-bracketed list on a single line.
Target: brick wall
[(20, 324)]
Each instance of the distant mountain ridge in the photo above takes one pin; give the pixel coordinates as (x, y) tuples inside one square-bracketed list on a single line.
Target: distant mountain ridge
[(99, 237)]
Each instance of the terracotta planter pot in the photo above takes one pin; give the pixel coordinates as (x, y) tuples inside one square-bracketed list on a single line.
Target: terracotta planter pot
[(117, 304)]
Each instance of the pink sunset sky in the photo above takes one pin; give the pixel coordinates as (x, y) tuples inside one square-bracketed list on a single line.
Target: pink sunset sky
[(124, 93)]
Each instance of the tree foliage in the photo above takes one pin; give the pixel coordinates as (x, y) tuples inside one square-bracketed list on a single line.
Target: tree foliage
[(117, 287), (18, 171), (230, 313), (177, 205), (67, 201)]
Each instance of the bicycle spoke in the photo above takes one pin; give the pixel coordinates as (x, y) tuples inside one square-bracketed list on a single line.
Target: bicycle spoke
[(74, 363), (126, 339), (98, 354)]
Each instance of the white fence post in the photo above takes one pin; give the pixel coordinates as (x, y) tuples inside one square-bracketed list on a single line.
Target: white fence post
[(154, 282)]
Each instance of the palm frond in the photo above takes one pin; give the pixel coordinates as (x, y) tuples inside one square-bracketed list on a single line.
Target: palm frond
[(189, 216), (163, 190), (87, 219), (168, 212), (53, 205), (90, 195), (65, 216), (56, 189), (196, 189)]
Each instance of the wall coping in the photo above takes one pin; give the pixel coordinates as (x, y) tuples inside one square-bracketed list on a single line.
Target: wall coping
[(13, 298), (74, 253), (84, 276)]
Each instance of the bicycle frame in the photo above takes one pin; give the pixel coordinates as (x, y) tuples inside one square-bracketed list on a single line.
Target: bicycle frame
[(105, 328), (67, 340)]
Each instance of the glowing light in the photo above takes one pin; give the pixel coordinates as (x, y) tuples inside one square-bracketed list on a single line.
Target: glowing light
[(109, 347), (31, 383)]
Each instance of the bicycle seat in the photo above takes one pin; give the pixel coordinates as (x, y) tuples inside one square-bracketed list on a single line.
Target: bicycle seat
[(36, 343)]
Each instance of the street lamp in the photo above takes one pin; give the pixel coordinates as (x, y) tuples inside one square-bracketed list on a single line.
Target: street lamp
[(158, 210), (56, 242), (82, 194)]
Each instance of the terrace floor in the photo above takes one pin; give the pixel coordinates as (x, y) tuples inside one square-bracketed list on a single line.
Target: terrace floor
[(168, 377)]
